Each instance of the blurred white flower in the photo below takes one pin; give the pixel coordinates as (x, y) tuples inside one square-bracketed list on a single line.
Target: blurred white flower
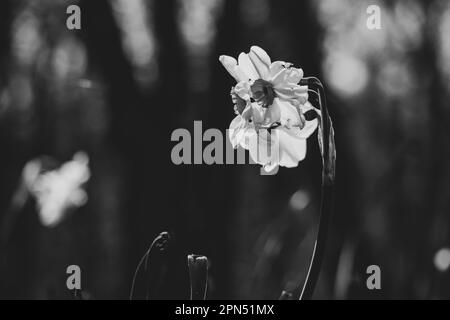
[(270, 107), (57, 191), (442, 259)]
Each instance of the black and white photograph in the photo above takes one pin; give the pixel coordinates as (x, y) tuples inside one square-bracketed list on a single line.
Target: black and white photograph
[(224, 155)]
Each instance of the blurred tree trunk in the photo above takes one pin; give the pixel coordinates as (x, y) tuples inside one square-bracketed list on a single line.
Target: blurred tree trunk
[(6, 15), (119, 164), (218, 190), (16, 255)]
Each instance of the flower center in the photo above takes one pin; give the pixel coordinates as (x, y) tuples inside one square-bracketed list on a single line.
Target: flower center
[(262, 92)]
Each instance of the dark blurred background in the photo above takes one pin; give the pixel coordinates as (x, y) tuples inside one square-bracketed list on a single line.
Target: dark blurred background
[(137, 70)]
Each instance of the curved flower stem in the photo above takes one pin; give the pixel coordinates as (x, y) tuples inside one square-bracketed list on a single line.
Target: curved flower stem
[(160, 242), (328, 150)]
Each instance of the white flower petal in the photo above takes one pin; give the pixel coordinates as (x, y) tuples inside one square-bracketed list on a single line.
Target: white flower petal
[(308, 106), (310, 126), (263, 148), (282, 146), (292, 92), (240, 75), (270, 167), (263, 71), (233, 69), (273, 113), (262, 55), (288, 113), (292, 148), (242, 89), (236, 130), (241, 132), (258, 113), (249, 132), (279, 79), (294, 75), (275, 68), (229, 63), (308, 129), (261, 61), (247, 67), (247, 112)]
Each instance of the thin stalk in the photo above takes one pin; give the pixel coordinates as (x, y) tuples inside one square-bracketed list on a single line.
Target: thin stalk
[(198, 275), (160, 242), (327, 146)]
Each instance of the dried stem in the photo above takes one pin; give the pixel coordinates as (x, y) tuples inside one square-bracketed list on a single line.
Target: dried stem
[(327, 147), (160, 242), (198, 274)]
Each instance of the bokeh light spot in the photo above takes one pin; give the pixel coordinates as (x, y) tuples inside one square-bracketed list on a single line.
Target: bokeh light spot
[(299, 200), (347, 74), (442, 259)]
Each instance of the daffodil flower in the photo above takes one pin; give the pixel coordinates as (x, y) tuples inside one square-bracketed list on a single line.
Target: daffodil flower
[(273, 115)]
